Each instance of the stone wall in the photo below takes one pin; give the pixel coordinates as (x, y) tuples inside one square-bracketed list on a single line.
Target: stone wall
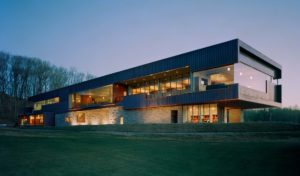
[(150, 115), (90, 117), (112, 116)]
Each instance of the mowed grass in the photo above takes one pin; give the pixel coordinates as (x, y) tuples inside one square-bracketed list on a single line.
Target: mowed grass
[(67, 152)]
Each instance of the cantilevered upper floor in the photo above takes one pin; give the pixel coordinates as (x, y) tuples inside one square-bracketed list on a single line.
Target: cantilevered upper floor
[(230, 73)]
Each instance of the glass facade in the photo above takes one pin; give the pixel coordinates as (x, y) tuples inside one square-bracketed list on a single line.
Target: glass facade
[(38, 105), (251, 78), (169, 85), (206, 113), (100, 95), (238, 73), (32, 120), (213, 78)]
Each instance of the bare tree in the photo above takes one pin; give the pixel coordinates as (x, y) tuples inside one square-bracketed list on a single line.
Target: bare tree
[(22, 77), (4, 59)]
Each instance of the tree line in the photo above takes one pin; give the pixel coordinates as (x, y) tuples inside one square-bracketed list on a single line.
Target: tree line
[(22, 77)]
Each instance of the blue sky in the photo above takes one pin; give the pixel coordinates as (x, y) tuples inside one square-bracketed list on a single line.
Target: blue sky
[(101, 37)]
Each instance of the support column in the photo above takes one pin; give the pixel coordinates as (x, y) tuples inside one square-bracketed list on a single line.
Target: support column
[(191, 82)]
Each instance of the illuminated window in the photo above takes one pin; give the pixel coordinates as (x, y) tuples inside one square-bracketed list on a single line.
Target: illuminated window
[(213, 113), (36, 119), (121, 120), (31, 120), (38, 105), (93, 96), (168, 83), (68, 120), (213, 78), (206, 113), (81, 118)]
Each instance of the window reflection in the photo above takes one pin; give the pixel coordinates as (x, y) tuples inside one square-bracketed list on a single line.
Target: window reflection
[(251, 78), (213, 78)]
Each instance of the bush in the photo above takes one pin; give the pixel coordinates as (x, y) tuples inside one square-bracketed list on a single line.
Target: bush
[(287, 115)]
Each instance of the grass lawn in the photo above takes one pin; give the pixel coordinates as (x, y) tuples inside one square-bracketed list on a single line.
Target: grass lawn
[(65, 152)]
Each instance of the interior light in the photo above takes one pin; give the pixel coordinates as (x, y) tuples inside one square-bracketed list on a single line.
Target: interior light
[(251, 77), (228, 68), (241, 73)]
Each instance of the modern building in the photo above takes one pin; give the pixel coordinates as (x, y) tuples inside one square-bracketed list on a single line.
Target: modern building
[(209, 85)]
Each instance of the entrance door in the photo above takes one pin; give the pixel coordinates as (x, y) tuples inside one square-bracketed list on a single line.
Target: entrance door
[(227, 115), (233, 115), (174, 116)]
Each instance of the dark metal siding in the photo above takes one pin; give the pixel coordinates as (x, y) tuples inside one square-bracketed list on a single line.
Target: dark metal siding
[(49, 119)]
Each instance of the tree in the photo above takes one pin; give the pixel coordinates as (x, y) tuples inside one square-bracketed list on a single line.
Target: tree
[(22, 77), (4, 59)]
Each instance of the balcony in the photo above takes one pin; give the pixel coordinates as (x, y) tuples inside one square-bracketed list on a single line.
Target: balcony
[(214, 94)]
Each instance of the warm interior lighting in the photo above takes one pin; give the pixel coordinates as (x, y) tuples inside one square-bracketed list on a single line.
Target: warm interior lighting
[(241, 73), (121, 120), (218, 78), (68, 120), (38, 105), (228, 68)]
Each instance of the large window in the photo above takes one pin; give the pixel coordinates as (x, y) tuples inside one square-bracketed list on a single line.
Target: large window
[(251, 78), (238, 73), (169, 85), (213, 78), (100, 95), (206, 113), (38, 105), (37, 119)]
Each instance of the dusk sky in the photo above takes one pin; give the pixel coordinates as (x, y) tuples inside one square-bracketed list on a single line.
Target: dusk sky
[(102, 37)]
